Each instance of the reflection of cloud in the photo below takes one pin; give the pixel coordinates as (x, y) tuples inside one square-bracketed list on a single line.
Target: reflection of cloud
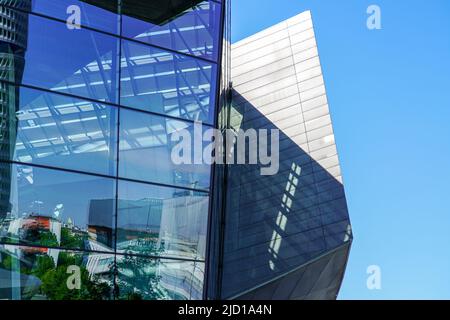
[(58, 210)]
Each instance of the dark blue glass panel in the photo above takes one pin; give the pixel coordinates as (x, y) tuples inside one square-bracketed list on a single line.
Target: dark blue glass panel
[(194, 30), (146, 147), (52, 208), (79, 62), (167, 83), (149, 279), (164, 221), (58, 131), (97, 14), (31, 273)]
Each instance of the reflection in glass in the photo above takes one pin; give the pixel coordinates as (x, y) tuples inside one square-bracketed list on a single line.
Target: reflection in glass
[(155, 220), (167, 83), (43, 212), (30, 273), (80, 62), (190, 27), (146, 151), (97, 14), (13, 44), (153, 279), (57, 209), (60, 131)]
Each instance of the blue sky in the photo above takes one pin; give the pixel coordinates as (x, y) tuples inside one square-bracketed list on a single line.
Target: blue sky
[(389, 95)]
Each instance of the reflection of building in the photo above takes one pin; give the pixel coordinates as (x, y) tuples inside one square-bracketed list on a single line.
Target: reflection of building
[(86, 127), (25, 228), (100, 228), (181, 224), (13, 44), (157, 226), (182, 279)]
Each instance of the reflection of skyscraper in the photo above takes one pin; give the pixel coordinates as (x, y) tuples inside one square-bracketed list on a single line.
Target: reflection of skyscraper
[(13, 44)]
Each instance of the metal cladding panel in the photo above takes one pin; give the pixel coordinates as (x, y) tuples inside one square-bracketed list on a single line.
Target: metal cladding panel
[(318, 279), (275, 224)]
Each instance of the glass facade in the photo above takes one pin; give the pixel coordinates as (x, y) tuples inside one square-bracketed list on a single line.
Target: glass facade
[(91, 207)]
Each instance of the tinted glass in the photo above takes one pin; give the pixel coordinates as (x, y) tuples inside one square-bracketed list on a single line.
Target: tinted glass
[(59, 131), (191, 27), (56, 209), (30, 273), (166, 221), (97, 14), (150, 279), (146, 149), (167, 83), (79, 62)]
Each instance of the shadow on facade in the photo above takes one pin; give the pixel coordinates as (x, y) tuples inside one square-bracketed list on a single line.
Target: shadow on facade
[(275, 224)]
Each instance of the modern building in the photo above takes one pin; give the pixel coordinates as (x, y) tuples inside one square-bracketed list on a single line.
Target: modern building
[(92, 93), (287, 236)]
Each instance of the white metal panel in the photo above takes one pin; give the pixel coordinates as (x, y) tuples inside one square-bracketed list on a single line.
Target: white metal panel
[(277, 75)]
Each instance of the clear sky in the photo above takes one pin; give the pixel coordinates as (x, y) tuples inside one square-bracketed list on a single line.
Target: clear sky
[(389, 95)]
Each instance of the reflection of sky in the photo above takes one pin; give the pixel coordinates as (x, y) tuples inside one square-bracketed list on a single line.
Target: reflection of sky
[(67, 53), (92, 15), (52, 188)]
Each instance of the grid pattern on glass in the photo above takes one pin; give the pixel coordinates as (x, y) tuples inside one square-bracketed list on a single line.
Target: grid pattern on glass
[(158, 279), (52, 208), (167, 83), (62, 131), (67, 87), (85, 63), (40, 273), (85, 13), (160, 221), (36, 273), (192, 32), (78, 62), (145, 137)]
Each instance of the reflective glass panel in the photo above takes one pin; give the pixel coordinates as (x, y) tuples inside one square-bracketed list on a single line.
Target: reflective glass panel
[(31, 273), (147, 152), (97, 14), (51, 56), (155, 220), (167, 83), (154, 279), (56, 130), (190, 27), (52, 208)]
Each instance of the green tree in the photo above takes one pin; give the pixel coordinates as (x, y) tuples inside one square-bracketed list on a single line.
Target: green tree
[(42, 265), (70, 240), (54, 280), (47, 239)]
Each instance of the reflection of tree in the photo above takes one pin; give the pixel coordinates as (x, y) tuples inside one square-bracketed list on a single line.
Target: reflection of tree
[(54, 277), (54, 281), (6, 263), (146, 244), (70, 239), (138, 278), (47, 238)]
